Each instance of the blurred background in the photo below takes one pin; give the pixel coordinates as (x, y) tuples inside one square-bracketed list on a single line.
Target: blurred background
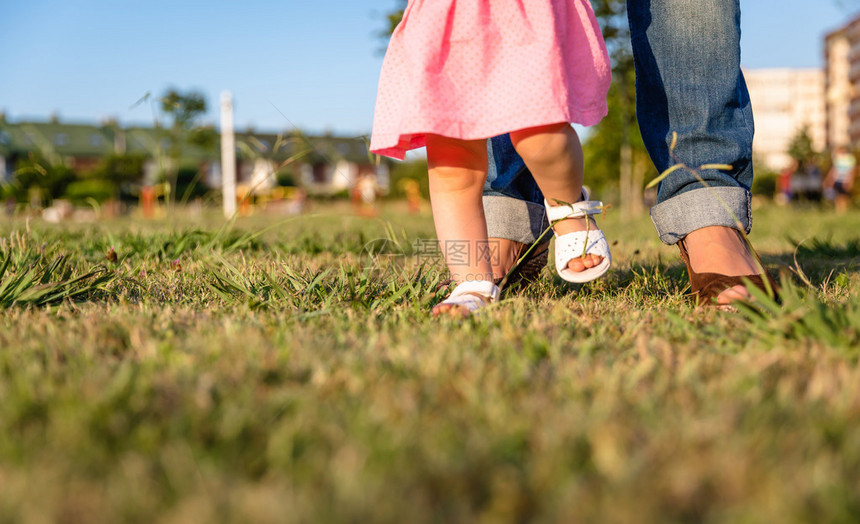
[(110, 108)]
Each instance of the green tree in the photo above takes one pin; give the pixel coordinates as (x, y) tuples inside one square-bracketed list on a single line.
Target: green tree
[(122, 172), (177, 125), (401, 172), (801, 148), (37, 177), (615, 155), (42, 175), (183, 111), (615, 139)]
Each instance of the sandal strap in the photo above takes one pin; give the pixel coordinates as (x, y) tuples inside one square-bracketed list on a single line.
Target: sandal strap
[(481, 288), (572, 245), (580, 209), (473, 295)]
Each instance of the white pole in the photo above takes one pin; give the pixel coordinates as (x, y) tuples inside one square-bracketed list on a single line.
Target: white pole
[(228, 155)]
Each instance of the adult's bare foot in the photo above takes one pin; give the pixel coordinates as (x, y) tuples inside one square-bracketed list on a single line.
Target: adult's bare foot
[(508, 252)]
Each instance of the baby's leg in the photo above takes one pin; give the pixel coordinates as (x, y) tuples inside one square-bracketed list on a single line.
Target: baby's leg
[(554, 156), (458, 169)]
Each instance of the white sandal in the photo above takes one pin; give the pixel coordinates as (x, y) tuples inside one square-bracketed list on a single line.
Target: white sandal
[(473, 295), (574, 245)]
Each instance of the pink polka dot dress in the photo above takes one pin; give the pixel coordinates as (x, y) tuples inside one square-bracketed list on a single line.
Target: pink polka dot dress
[(474, 69)]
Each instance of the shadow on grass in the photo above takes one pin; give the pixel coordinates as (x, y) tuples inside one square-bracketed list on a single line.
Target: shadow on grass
[(638, 282), (651, 282), (819, 259), (827, 248)]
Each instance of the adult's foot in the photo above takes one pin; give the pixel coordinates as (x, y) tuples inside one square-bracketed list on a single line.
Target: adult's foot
[(723, 251), (508, 252)]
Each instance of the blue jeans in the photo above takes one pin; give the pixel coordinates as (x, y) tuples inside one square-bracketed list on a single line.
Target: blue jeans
[(688, 81)]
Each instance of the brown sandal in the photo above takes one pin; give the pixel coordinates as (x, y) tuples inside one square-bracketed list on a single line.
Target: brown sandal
[(706, 287), (529, 269)]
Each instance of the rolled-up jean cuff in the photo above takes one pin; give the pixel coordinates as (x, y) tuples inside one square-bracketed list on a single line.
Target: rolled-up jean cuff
[(680, 215), (515, 219)]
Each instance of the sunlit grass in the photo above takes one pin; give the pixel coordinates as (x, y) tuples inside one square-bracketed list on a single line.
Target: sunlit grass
[(250, 374)]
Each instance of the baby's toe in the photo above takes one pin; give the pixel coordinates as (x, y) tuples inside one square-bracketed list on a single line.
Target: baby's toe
[(450, 310), (583, 263), (577, 264), (592, 261)]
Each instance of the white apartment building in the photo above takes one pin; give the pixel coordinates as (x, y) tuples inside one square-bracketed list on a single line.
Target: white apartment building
[(851, 33), (783, 102), (839, 89)]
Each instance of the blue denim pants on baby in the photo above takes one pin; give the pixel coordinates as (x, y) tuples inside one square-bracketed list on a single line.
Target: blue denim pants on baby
[(689, 82)]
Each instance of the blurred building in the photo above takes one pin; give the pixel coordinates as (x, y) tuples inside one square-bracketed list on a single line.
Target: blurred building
[(322, 164), (784, 102), (839, 90), (79, 146)]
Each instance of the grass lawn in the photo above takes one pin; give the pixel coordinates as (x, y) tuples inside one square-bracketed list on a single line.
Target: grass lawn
[(273, 372)]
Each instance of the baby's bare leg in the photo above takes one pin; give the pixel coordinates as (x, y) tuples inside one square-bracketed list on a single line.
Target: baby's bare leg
[(458, 169), (554, 156)]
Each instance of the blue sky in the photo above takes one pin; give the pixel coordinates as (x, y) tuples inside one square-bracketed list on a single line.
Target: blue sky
[(314, 61)]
